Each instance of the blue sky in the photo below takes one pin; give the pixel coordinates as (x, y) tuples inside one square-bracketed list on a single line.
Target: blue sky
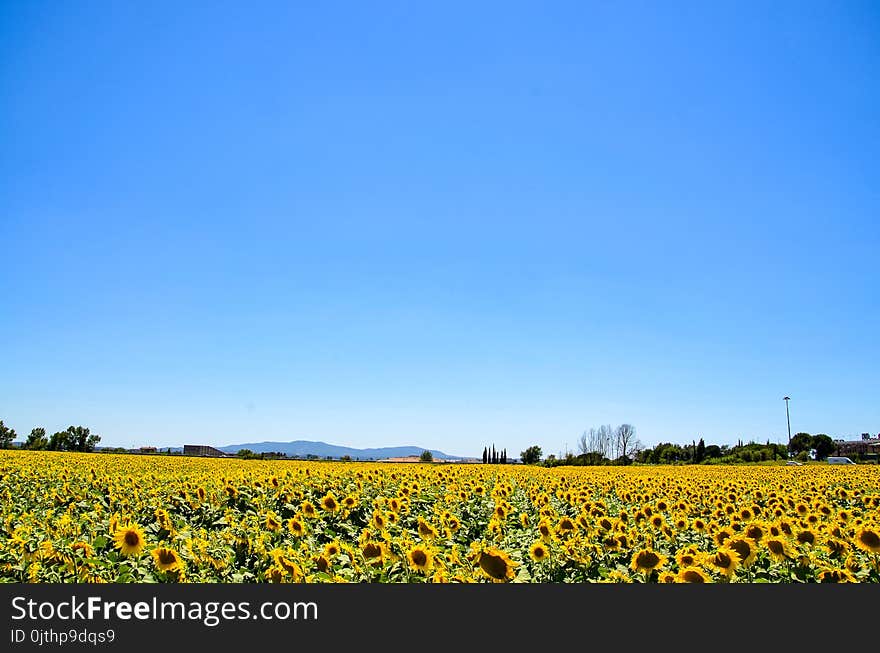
[(441, 224)]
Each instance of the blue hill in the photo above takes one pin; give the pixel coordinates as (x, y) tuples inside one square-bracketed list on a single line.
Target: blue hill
[(303, 448)]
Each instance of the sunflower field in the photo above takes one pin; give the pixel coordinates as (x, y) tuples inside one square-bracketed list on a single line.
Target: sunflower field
[(96, 518)]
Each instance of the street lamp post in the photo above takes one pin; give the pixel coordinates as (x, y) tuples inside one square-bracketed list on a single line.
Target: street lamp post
[(788, 421)]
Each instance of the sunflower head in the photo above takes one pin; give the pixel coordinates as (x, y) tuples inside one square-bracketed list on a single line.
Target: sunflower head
[(296, 527), (868, 539), (539, 551), (329, 503), (272, 522), (129, 539), (166, 559), (722, 534), (420, 558), (778, 548), (687, 557), (647, 560), (745, 548), (496, 564), (692, 575), (426, 530), (565, 526), (725, 561), (806, 536), (832, 575), (373, 552)]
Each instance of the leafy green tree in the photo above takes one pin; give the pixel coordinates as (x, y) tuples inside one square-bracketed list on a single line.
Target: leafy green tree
[(801, 442), (532, 455), (75, 438), (426, 457), (37, 440), (823, 445), (60, 441), (82, 439), (7, 435), (700, 454)]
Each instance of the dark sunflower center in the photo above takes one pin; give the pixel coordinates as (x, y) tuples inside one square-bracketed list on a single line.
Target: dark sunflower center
[(742, 548), (419, 558), (806, 537), (647, 560), (132, 538), (691, 576), (493, 565), (870, 539)]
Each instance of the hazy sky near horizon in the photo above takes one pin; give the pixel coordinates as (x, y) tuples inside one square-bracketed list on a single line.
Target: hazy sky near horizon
[(445, 224)]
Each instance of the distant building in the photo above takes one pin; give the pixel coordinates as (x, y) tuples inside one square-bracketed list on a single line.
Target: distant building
[(867, 448), (203, 450), (146, 449)]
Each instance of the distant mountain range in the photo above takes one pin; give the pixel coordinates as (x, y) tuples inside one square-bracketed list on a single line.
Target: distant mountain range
[(304, 448)]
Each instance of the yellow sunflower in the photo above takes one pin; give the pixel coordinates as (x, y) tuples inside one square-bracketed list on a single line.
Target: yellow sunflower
[(868, 539), (166, 559), (745, 547), (496, 564), (295, 526), (129, 539), (329, 503), (427, 531), (646, 561), (666, 577), (539, 551), (373, 552), (545, 528), (272, 522), (778, 548), (831, 575), (687, 557), (724, 561), (806, 536), (692, 575), (420, 558)]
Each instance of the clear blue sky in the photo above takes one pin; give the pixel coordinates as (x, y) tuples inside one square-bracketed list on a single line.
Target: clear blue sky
[(440, 224)]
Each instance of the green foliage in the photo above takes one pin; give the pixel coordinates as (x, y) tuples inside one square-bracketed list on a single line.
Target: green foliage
[(75, 438), (532, 455), (426, 457), (668, 453), (37, 439), (801, 442), (7, 435), (823, 445), (700, 455)]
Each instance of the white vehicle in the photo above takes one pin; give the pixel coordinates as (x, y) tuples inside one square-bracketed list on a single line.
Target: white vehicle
[(839, 460)]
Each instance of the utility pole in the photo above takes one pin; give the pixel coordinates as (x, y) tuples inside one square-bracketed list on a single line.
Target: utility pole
[(788, 421)]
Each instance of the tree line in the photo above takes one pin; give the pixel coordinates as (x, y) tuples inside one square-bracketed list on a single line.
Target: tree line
[(74, 438), (492, 457)]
